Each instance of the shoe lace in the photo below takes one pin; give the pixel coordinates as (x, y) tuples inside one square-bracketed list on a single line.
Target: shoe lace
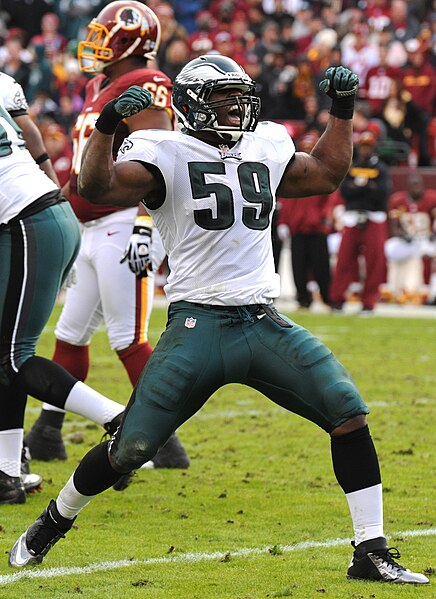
[(111, 427), (389, 555)]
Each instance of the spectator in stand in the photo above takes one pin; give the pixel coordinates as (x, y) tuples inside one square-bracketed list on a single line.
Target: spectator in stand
[(302, 21), (404, 25), (41, 75), (305, 222), (176, 56), (200, 41), (243, 38), (256, 17), (72, 86), (43, 106), (75, 16), (224, 44), (280, 9), (170, 30), (26, 15), (375, 89), (59, 149), (323, 50), (400, 117), (411, 246), (419, 79), (269, 39), (303, 43), (359, 54), (365, 192), (186, 12), (278, 99), (303, 84), (53, 41), (199, 47), (65, 116), (378, 13), (15, 59)]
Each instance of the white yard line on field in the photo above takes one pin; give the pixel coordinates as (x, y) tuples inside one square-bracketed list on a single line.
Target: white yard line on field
[(188, 558)]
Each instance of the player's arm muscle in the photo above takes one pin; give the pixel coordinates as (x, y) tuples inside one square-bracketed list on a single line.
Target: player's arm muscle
[(150, 118), (35, 144), (102, 181), (321, 171)]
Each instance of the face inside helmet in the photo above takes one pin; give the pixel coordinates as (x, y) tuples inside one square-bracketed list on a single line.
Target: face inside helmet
[(213, 93)]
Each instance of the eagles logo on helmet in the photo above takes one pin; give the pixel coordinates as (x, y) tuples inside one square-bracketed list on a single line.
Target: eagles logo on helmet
[(123, 28), (194, 86)]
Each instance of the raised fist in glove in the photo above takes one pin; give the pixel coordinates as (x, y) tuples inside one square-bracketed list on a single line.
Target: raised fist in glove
[(341, 85), (129, 103), (138, 251)]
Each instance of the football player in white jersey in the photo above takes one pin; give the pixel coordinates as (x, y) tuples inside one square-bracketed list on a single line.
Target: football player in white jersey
[(211, 190), (39, 240)]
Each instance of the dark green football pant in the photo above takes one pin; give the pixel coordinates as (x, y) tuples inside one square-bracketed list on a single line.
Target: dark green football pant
[(204, 348), (36, 253)]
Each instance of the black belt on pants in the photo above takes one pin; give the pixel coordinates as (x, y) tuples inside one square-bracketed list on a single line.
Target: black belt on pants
[(251, 308)]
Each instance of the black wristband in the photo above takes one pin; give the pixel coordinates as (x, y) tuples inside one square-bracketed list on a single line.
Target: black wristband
[(343, 108), (108, 120), (42, 158)]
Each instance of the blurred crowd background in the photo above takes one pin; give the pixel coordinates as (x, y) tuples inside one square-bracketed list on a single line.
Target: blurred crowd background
[(284, 45)]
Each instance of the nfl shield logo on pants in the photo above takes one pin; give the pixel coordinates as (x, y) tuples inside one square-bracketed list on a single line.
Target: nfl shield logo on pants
[(190, 322)]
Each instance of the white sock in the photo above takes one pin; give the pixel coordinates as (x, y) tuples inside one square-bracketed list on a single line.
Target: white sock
[(366, 508), (70, 501), (49, 407), (90, 403), (11, 445)]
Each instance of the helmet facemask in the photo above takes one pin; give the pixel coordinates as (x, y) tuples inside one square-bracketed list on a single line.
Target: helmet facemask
[(94, 53)]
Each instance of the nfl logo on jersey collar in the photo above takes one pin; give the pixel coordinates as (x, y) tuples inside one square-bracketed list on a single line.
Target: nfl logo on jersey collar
[(225, 152)]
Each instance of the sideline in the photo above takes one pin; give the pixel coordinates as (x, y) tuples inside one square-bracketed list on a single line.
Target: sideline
[(189, 558), (350, 309)]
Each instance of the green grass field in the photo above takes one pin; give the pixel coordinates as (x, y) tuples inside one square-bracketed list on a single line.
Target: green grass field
[(259, 513)]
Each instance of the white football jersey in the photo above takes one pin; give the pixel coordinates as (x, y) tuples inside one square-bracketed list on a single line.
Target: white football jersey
[(215, 220), (22, 181)]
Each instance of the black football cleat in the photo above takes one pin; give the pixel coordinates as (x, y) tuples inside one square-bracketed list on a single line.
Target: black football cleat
[(45, 442), (11, 489), (373, 560), (39, 538)]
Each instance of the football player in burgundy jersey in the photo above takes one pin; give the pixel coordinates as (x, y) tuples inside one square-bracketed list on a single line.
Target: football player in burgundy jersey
[(121, 40), (411, 245), (211, 188)]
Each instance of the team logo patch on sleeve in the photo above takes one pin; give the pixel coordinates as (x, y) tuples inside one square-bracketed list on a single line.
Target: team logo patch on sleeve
[(190, 322), (126, 145)]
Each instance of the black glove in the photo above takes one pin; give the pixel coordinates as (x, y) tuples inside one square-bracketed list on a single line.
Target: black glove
[(138, 251), (130, 102), (341, 85)]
